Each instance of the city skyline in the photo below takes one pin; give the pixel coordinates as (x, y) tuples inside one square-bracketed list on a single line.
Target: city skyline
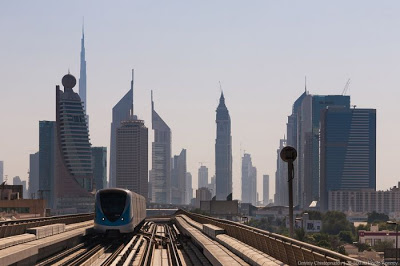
[(270, 83)]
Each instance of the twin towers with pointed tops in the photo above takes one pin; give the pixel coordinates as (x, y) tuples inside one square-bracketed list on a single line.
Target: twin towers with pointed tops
[(128, 167), (160, 187)]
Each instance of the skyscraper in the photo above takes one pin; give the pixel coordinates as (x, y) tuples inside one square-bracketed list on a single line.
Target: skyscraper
[(122, 111), (178, 179), (249, 180), (82, 77), (212, 186), (298, 131), (319, 103), (33, 175), (1, 172), (303, 134), (47, 148), (202, 194), (281, 197), (161, 159), (223, 152), (265, 189), (17, 181), (132, 155), (73, 157), (189, 188), (348, 150), (99, 165), (203, 177)]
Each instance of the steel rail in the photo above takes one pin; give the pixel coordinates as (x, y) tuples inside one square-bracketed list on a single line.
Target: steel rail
[(326, 253)]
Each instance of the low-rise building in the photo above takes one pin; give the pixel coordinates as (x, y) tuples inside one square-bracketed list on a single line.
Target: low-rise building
[(365, 200), (276, 212), (13, 205), (202, 194), (224, 209), (374, 236), (310, 226)]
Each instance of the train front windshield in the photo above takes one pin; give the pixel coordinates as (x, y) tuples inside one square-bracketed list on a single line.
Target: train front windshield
[(112, 204)]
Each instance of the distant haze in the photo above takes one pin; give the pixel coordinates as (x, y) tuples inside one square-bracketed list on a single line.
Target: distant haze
[(259, 50)]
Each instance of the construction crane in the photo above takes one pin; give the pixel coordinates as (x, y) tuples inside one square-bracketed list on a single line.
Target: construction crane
[(346, 87)]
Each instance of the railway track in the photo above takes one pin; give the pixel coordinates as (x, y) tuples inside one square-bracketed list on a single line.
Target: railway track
[(154, 244)]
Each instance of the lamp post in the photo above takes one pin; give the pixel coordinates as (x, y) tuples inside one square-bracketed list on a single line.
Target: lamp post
[(289, 154), (397, 231)]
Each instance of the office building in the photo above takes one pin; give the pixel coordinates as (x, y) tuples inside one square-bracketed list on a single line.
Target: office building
[(1, 172), (202, 194), (348, 150), (161, 159), (303, 134), (212, 186), (47, 142), (33, 175), (73, 181), (281, 197), (131, 156), (365, 201), (18, 182), (265, 190), (223, 152), (178, 179), (82, 77), (203, 177), (189, 188), (249, 181), (99, 157), (122, 111)]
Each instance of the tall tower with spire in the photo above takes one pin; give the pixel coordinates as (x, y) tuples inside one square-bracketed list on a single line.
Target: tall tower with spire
[(82, 77), (223, 152), (122, 111), (160, 177)]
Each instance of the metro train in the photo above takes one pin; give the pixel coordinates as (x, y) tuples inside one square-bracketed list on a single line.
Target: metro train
[(118, 210)]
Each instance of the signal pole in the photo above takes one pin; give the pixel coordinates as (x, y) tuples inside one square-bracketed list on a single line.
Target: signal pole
[(289, 154)]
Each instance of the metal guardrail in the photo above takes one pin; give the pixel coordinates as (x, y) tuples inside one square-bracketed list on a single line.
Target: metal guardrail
[(17, 227), (288, 250)]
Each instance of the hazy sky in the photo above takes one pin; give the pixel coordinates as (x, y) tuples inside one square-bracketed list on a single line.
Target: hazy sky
[(259, 50)]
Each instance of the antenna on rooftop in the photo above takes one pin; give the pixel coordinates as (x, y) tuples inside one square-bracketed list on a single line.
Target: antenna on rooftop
[(346, 87)]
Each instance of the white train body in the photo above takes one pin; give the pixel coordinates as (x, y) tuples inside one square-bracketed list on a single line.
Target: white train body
[(118, 210)]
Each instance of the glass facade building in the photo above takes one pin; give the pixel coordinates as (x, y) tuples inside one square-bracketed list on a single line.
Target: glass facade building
[(99, 157), (348, 150), (47, 131), (223, 152), (73, 155), (161, 159), (132, 156), (121, 111)]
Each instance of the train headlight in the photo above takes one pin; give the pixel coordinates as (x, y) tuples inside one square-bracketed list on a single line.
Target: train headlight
[(102, 219), (122, 218)]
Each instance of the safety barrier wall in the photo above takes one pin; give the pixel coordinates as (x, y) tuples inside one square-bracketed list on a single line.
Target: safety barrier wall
[(288, 250), (17, 227)]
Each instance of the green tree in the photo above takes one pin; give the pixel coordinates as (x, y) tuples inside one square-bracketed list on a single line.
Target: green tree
[(300, 234), (346, 236), (375, 217), (362, 246), (381, 246), (333, 222), (366, 227), (342, 250), (324, 244), (334, 242), (314, 215)]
